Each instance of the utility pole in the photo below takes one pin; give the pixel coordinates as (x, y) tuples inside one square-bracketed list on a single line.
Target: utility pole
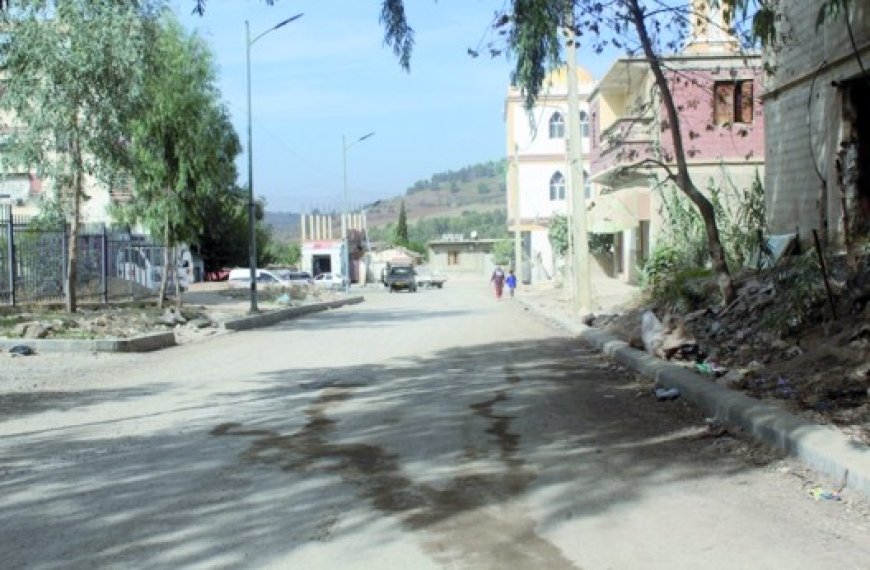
[(581, 283)]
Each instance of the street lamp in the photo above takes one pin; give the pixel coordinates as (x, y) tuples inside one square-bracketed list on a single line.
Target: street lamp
[(344, 241), (252, 237)]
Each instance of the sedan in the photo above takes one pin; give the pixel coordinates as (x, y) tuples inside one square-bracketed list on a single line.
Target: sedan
[(330, 280)]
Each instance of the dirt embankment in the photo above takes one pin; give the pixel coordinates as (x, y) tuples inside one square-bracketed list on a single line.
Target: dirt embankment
[(778, 341)]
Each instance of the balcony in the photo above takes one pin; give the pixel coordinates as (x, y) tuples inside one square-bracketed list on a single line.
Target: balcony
[(626, 141)]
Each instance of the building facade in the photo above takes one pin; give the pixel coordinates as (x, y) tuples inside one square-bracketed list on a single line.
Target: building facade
[(538, 177), (716, 90), (816, 107)]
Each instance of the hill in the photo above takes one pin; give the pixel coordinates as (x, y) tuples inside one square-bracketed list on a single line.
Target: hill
[(285, 225), (479, 188), (456, 201)]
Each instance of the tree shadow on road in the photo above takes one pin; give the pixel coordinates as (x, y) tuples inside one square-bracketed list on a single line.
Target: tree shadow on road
[(482, 449)]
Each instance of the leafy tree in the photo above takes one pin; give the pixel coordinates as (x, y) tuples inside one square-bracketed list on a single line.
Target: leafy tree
[(503, 252), (558, 234), (183, 143), (223, 238), (72, 69)]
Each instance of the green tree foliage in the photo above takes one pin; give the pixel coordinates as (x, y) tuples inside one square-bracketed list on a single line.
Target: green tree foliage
[(503, 252), (402, 226), (284, 253), (680, 253), (491, 225), (453, 178), (183, 144), (558, 234), (72, 71), (223, 239)]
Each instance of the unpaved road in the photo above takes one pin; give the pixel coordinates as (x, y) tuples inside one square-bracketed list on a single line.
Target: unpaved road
[(440, 429)]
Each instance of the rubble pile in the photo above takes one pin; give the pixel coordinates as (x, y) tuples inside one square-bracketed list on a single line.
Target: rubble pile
[(805, 361), (109, 322)]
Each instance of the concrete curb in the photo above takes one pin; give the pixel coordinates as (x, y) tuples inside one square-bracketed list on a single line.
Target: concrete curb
[(823, 448), (144, 343), (271, 317)]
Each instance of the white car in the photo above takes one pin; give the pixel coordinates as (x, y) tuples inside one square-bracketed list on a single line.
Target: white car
[(330, 280), (240, 277)]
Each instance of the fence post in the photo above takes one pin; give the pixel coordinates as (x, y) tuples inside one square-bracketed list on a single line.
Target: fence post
[(105, 268), (10, 244), (63, 257)]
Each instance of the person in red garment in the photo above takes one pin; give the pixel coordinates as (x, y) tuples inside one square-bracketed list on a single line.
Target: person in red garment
[(497, 279)]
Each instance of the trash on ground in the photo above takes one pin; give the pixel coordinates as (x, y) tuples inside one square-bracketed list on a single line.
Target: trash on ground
[(22, 350), (663, 394), (711, 368), (668, 339), (283, 299), (821, 494)]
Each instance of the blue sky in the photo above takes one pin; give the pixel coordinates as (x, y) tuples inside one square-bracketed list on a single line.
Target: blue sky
[(329, 74)]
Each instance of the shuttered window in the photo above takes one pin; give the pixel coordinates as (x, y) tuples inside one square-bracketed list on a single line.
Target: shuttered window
[(732, 102)]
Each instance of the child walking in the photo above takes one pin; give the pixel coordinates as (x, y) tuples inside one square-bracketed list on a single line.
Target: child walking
[(511, 282)]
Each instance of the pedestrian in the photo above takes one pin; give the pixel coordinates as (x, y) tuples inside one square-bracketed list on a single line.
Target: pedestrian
[(511, 282), (497, 279)]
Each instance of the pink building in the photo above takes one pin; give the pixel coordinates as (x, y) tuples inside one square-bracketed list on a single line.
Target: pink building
[(717, 91)]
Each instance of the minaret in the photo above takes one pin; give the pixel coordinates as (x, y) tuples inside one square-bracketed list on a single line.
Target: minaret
[(708, 32)]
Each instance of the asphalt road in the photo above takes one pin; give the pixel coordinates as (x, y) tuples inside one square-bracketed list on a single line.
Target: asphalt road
[(440, 429)]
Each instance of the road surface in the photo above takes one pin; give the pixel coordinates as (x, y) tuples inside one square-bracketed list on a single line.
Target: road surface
[(441, 429)]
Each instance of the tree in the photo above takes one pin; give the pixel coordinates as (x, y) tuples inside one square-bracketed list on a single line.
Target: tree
[(534, 28), (402, 227), (71, 72), (183, 143), (503, 252)]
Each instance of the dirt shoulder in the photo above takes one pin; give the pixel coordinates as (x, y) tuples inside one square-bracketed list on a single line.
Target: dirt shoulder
[(203, 309), (811, 365)]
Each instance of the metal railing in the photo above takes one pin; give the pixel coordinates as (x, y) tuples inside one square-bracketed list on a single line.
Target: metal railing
[(111, 265)]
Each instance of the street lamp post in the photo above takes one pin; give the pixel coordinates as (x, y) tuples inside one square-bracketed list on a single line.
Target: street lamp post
[(345, 244), (252, 237)]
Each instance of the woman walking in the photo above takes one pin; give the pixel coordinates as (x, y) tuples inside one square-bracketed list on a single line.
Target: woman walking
[(497, 279)]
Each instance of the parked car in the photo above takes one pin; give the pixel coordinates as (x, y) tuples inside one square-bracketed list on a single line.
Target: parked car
[(240, 277), (297, 277), (330, 281), (425, 278), (401, 277)]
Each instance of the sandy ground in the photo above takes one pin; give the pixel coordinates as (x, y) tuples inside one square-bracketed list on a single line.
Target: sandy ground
[(441, 429)]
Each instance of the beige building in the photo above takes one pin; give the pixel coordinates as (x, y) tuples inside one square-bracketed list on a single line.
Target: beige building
[(816, 106), (715, 89), (538, 175)]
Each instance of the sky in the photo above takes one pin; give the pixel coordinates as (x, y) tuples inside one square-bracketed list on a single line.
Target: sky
[(329, 75)]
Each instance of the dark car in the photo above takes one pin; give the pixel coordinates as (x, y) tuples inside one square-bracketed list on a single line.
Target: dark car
[(401, 277)]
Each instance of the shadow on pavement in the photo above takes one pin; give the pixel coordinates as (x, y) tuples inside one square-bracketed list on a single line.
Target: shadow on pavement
[(456, 444)]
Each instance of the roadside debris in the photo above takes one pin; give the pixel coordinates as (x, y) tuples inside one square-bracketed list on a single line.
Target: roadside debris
[(664, 394), (669, 338), (819, 493)]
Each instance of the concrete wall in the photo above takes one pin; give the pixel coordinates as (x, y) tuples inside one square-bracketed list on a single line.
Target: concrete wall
[(804, 115)]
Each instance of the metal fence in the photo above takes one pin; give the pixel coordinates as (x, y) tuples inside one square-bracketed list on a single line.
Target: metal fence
[(110, 265)]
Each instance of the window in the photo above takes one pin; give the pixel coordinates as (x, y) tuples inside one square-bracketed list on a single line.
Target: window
[(732, 102), (587, 185), (557, 126), (452, 258), (584, 125), (557, 187)]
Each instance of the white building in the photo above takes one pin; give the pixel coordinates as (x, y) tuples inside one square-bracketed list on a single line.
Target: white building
[(538, 170)]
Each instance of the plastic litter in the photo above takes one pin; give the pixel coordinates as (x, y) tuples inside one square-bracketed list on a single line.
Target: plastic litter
[(663, 394), (284, 299), (22, 350), (821, 494), (711, 368)]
